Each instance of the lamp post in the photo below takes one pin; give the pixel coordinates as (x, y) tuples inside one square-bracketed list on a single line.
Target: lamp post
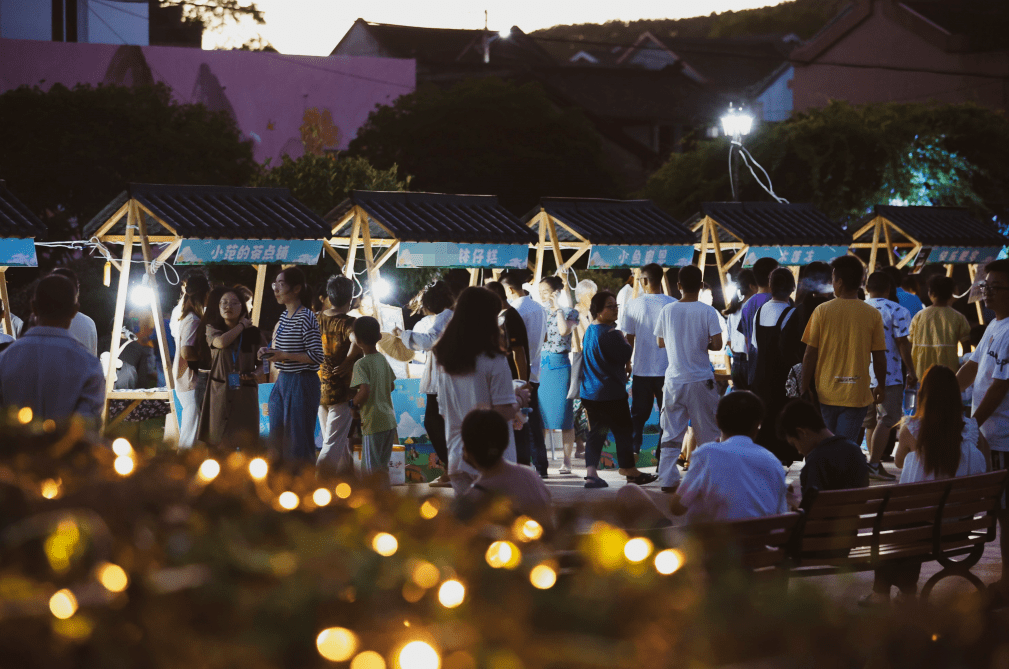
[(736, 123)]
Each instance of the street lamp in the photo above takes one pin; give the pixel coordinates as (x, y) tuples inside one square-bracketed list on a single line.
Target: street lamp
[(735, 124)]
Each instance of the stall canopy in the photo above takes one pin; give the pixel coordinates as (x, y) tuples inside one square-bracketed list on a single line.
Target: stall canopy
[(615, 233), (427, 230), (200, 224), (19, 228), (792, 234)]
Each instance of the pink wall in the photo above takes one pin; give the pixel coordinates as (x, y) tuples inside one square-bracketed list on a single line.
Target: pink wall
[(879, 40), (266, 93)]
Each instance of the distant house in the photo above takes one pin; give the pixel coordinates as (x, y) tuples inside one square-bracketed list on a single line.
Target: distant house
[(948, 51)]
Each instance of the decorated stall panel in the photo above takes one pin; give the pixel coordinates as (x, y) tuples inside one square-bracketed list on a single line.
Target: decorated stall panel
[(19, 228)]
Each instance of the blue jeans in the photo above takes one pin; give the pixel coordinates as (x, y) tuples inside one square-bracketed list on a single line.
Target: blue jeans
[(294, 409), (844, 421), (644, 390)]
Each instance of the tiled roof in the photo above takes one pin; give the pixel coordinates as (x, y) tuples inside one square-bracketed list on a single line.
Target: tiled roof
[(219, 212), (436, 217), (776, 224), (16, 220), (940, 226), (615, 221)]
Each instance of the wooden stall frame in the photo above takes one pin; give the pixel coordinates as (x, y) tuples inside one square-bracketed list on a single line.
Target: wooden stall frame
[(8, 327), (710, 241)]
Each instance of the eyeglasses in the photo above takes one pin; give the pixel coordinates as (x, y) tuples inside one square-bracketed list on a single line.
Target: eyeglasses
[(985, 287)]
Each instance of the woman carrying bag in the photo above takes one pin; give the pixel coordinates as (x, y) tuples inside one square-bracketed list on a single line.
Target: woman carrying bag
[(555, 365)]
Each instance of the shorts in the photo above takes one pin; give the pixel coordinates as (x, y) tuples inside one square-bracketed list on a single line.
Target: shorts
[(1000, 461), (889, 412)]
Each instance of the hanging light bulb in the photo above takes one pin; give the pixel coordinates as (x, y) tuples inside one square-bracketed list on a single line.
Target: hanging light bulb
[(108, 274)]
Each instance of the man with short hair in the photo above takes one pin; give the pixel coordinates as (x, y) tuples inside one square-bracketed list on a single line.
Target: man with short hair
[(648, 361), (841, 338), (831, 461), (988, 371), (47, 369), (624, 295), (762, 274), (879, 421), (733, 478), (535, 318), (687, 330), (82, 327), (936, 329)]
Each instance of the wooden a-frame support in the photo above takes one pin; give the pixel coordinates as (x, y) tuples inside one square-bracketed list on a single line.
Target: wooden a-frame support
[(360, 235), (711, 241), (8, 327)]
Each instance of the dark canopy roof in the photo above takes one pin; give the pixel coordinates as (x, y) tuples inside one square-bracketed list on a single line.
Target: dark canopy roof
[(775, 224), (17, 220), (436, 217), (614, 221), (941, 226), (218, 212)]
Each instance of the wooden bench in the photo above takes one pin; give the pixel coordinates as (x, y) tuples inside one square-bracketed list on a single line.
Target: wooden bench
[(756, 544), (858, 529)]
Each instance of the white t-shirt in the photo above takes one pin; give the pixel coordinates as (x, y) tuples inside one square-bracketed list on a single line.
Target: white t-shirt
[(640, 316), (173, 322), (768, 315), (624, 296), (83, 330), (686, 328), (896, 323), (185, 377), (488, 385), (737, 340), (971, 458), (423, 337), (992, 358), (734, 479), (535, 318)]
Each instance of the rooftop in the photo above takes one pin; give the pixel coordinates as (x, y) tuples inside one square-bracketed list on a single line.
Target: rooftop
[(16, 220), (614, 221), (940, 226), (775, 224)]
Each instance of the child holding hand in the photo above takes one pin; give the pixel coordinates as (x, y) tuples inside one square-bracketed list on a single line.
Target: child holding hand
[(374, 380)]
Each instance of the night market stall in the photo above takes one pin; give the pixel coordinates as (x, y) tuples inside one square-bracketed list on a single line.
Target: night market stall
[(200, 225), (920, 235), (614, 234), (792, 234), (18, 229)]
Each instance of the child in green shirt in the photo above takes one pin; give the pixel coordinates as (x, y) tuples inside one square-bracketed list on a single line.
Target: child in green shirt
[(374, 380)]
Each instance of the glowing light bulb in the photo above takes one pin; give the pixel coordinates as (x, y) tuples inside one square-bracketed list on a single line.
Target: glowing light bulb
[(209, 470), (384, 544), (112, 577), (527, 529), (63, 604), (368, 659), (429, 509), (142, 295), (322, 497), (425, 574), (543, 576), (123, 465), (380, 289), (122, 447), (418, 655), (668, 561), (637, 549), (337, 644), (25, 415), (288, 500), (258, 469), (50, 489), (343, 490), (503, 555), (451, 593)]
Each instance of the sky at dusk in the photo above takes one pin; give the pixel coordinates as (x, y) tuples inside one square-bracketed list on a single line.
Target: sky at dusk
[(313, 27)]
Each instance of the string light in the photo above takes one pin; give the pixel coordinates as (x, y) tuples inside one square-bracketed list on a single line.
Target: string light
[(668, 561), (50, 489), (209, 470), (451, 593), (384, 544), (337, 644), (543, 576), (25, 415), (63, 604), (425, 574), (503, 555), (258, 469), (343, 490), (122, 447), (527, 529), (123, 465), (369, 659), (288, 500), (429, 509), (322, 497), (418, 655), (637, 549), (112, 577)]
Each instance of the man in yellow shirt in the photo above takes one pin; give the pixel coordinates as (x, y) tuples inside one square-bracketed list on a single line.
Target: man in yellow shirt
[(841, 337), (936, 330)]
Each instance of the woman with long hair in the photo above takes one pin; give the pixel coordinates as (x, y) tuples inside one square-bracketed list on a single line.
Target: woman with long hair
[(297, 353), (555, 368), (937, 442), (231, 406), (201, 354), (436, 302), (184, 327), (472, 373)]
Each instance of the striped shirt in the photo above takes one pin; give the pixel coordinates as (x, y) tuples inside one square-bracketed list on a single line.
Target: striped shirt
[(299, 334)]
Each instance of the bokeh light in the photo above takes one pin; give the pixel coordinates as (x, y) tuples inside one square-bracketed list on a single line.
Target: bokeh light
[(503, 555), (25, 415), (368, 659), (121, 447), (343, 490), (384, 544), (418, 655), (63, 604), (668, 561), (50, 489), (322, 497), (425, 574), (637, 549), (429, 509), (527, 529), (112, 577), (451, 593), (288, 500), (543, 576), (337, 644), (123, 465), (258, 469), (209, 470)]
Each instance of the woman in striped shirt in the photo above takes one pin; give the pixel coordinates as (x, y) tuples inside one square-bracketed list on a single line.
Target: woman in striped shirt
[(297, 354)]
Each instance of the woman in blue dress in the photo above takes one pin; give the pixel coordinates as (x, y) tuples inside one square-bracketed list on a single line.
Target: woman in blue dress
[(555, 368)]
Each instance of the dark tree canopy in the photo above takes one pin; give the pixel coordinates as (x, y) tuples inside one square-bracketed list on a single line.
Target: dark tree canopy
[(488, 137), (846, 158)]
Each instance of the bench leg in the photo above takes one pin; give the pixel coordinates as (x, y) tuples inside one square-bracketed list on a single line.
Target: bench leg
[(939, 575)]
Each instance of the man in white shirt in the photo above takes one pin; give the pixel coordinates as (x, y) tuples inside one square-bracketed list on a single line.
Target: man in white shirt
[(733, 478), (535, 318), (82, 327), (624, 295), (988, 371), (687, 330), (648, 361)]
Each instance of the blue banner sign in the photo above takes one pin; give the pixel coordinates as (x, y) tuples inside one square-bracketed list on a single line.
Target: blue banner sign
[(18, 253), (954, 255), (446, 254), (793, 255), (608, 257), (249, 251)]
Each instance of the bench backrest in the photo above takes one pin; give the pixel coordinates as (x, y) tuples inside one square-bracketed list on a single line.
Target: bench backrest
[(901, 519), (757, 543)]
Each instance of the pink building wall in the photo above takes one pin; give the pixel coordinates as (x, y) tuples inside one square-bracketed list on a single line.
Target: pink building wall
[(884, 38), (266, 93)]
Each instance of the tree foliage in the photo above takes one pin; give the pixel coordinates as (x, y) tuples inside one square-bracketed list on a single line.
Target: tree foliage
[(491, 137), (844, 159), (214, 14)]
